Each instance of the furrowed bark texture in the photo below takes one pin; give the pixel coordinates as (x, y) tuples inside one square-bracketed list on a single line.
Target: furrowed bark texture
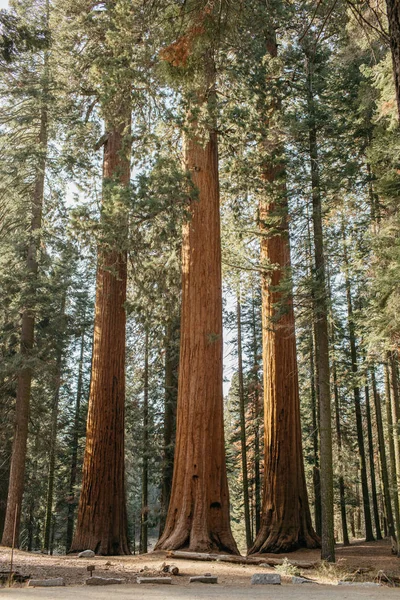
[(393, 13), (102, 521), (285, 520), (198, 515), (18, 456)]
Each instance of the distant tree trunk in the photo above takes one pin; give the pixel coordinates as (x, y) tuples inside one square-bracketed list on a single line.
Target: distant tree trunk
[(314, 401), (392, 365), (53, 444), (18, 456), (285, 517), (145, 451), (315, 438), (256, 422), (171, 397), (383, 461), (342, 495), (31, 521), (393, 14), (198, 514), (102, 519), (372, 465), (369, 536), (74, 449), (243, 443), (321, 336), (4, 477), (392, 457)]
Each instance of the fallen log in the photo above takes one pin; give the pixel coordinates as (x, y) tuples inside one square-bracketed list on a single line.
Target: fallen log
[(241, 560)]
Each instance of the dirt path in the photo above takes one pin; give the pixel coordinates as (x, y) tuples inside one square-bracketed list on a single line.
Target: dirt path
[(196, 592), (359, 562)]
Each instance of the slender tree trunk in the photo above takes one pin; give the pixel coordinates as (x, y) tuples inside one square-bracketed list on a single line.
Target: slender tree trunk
[(171, 397), (392, 457), (314, 400), (256, 423), (372, 465), (392, 365), (75, 443), (315, 437), (53, 445), (18, 456), (321, 337), (342, 495), (198, 514), (4, 477), (393, 14), (144, 515), (383, 461), (102, 519), (31, 521), (243, 443), (369, 536)]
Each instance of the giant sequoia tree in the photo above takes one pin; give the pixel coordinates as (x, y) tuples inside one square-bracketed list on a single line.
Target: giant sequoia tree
[(198, 515), (285, 519), (102, 519)]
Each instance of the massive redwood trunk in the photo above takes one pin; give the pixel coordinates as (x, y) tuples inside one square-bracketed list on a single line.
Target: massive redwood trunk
[(102, 521), (285, 517), (198, 514)]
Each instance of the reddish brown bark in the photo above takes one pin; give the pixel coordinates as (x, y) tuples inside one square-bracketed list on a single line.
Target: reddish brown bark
[(285, 521), (102, 520), (198, 515)]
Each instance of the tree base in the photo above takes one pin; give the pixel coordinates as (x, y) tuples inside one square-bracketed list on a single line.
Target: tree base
[(101, 547), (278, 543), (189, 541)]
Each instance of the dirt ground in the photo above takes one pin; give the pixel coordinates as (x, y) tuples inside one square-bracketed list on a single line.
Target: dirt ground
[(373, 559)]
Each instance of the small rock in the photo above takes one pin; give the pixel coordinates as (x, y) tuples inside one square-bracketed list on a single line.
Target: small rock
[(203, 579), (108, 564), (207, 574), (162, 580), (103, 581), (266, 579), (300, 580), (56, 582), (86, 554)]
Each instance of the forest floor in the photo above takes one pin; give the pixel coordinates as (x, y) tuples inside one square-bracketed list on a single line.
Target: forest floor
[(360, 562)]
